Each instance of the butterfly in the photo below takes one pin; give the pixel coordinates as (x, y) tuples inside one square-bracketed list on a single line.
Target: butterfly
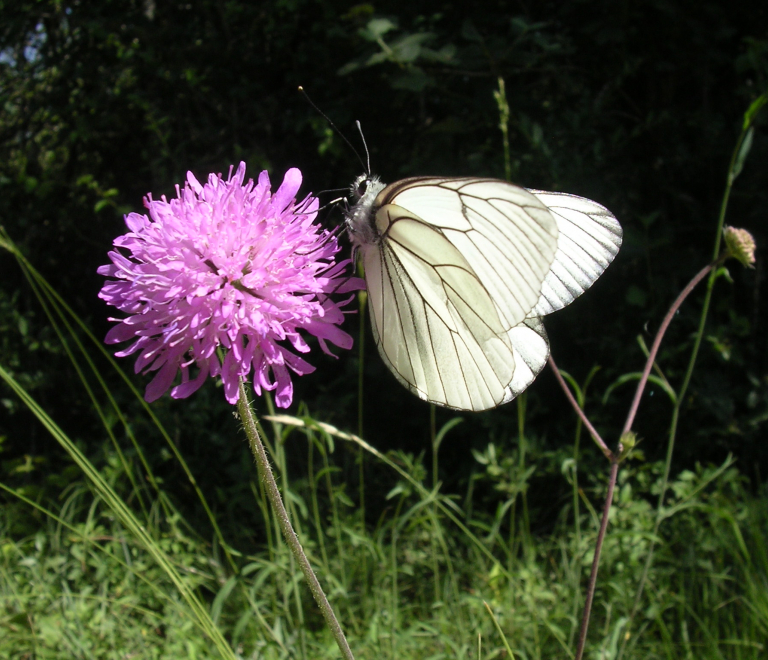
[(459, 272)]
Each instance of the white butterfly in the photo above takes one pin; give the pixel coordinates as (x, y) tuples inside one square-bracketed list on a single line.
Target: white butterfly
[(459, 272)]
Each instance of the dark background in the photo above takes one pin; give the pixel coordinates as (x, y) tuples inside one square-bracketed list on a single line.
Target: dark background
[(635, 105)]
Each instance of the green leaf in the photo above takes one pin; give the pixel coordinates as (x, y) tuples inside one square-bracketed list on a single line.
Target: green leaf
[(746, 145), (626, 378), (754, 108), (447, 427), (221, 597), (377, 28), (408, 49)]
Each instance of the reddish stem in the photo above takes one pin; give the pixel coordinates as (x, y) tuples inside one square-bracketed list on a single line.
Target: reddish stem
[(657, 342), (596, 561), (584, 419), (613, 457)]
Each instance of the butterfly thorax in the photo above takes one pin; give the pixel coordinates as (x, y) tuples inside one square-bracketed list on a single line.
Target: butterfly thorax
[(361, 223)]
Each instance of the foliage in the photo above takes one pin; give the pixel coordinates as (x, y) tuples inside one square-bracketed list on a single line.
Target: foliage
[(635, 105), (80, 585)]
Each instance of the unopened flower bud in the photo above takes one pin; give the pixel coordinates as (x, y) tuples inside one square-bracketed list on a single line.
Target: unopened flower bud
[(740, 245)]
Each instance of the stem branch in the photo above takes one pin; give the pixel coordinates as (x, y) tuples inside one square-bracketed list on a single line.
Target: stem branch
[(584, 419), (659, 336)]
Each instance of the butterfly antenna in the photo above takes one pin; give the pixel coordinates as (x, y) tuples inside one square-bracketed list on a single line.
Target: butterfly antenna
[(365, 144), (333, 126)]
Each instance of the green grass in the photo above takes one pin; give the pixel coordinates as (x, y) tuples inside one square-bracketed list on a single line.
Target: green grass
[(413, 586)]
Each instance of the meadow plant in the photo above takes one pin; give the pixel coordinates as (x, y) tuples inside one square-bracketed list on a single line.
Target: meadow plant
[(227, 265), (222, 281)]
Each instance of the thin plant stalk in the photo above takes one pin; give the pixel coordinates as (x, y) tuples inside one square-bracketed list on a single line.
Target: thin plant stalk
[(338, 532), (521, 402), (313, 498), (362, 298), (657, 342), (591, 585), (63, 309), (433, 540), (273, 493), (616, 457), (500, 96), (575, 404), (738, 157)]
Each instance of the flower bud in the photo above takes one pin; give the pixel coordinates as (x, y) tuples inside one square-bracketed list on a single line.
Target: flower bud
[(740, 245)]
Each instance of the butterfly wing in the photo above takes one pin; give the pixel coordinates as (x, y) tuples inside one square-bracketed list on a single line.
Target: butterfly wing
[(449, 295), (589, 237), (438, 330), (506, 234), (460, 269)]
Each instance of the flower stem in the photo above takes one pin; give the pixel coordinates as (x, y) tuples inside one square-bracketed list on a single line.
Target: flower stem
[(273, 493), (582, 416), (660, 335), (615, 457), (596, 560)]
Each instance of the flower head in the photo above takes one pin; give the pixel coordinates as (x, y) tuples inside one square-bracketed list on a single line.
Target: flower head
[(741, 245), (227, 269)]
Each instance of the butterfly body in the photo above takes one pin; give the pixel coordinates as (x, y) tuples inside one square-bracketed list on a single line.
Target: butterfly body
[(459, 270)]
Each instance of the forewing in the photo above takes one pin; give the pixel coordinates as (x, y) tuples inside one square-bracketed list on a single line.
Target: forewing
[(506, 234), (589, 237)]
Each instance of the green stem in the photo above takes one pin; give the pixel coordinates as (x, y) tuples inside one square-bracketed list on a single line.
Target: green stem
[(360, 452), (503, 105), (522, 400), (273, 493), (435, 449)]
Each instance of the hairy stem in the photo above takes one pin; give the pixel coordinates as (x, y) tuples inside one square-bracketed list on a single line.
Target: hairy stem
[(273, 493)]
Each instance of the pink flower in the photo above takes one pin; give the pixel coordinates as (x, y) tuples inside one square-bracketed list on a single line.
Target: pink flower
[(227, 269)]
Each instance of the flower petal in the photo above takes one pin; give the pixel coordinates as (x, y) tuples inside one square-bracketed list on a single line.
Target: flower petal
[(226, 266)]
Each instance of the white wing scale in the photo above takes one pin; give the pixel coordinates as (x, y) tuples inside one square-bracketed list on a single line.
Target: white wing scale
[(589, 238), (458, 272)]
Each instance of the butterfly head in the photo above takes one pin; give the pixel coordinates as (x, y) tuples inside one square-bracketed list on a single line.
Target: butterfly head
[(360, 216)]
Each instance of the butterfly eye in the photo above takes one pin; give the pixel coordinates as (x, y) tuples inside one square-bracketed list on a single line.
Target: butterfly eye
[(361, 188)]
